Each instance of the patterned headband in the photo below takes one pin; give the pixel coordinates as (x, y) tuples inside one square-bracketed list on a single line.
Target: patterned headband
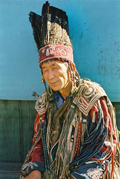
[(55, 51)]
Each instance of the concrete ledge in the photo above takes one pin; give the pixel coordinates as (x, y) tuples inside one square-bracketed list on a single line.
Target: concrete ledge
[(9, 170)]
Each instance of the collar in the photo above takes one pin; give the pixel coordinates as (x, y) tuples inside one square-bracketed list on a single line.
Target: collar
[(59, 99)]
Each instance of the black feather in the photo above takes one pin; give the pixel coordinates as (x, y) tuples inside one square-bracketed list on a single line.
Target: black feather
[(57, 31), (36, 25)]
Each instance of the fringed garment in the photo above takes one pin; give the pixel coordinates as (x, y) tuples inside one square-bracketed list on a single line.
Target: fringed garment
[(74, 138)]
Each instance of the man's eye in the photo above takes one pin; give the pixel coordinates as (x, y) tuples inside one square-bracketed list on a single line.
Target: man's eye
[(45, 71)]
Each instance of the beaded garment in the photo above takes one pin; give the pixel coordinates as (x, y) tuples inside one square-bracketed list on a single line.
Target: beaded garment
[(71, 116), (72, 129)]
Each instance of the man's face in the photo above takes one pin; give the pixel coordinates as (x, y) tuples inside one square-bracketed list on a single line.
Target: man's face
[(56, 73)]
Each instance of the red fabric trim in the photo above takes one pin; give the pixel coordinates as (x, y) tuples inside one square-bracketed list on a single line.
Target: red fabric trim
[(55, 51), (94, 109), (77, 149), (105, 114), (36, 126), (38, 153), (110, 127), (102, 159)]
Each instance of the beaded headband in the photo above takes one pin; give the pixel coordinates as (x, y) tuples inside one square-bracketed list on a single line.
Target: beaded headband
[(55, 51)]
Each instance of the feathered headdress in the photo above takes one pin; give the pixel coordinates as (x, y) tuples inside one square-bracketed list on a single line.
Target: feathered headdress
[(51, 34)]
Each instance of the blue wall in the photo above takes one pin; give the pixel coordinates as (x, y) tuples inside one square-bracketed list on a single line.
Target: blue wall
[(95, 33)]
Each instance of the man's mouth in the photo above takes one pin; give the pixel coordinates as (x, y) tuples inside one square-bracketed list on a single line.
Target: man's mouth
[(53, 83)]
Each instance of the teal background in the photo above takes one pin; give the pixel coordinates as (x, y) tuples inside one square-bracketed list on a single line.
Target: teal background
[(95, 33)]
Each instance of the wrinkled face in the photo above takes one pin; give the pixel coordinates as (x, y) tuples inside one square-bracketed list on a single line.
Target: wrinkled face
[(56, 73)]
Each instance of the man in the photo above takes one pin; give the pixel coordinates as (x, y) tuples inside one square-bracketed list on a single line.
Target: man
[(73, 132)]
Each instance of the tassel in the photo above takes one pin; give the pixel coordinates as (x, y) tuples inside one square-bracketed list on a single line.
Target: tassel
[(107, 171), (43, 135), (92, 146), (78, 140)]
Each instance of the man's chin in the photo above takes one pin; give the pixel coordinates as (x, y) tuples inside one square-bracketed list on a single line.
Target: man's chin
[(55, 88)]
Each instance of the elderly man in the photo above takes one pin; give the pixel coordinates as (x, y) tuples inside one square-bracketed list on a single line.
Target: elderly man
[(73, 132)]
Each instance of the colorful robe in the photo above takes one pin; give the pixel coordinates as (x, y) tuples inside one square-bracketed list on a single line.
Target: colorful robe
[(72, 138)]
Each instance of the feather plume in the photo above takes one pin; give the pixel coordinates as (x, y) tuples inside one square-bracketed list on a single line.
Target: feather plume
[(52, 27)]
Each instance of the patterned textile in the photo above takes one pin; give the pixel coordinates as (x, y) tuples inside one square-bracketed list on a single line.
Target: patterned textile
[(88, 171), (55, 51), (91, 169), (76, 134)]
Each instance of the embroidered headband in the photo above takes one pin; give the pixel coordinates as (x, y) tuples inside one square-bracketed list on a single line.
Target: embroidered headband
[(55, 51)]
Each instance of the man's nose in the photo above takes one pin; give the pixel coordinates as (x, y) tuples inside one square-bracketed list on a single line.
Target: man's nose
[(50, 74)]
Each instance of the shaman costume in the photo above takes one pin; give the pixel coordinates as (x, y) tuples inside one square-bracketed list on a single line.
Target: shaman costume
[(73, 138)]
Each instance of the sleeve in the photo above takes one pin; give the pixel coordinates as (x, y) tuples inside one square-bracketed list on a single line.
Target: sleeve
[(111, 137), (36, 161), (110, 142), (95, 166)]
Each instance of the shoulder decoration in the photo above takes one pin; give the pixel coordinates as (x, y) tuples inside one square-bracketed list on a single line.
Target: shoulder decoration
[(88, 93), (41, 104)]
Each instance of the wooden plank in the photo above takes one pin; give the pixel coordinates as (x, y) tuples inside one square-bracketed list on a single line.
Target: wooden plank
[(3, 144), (16, 129), (27, 117), (10, 167), (9, 117), (13, 134), (117, 109)]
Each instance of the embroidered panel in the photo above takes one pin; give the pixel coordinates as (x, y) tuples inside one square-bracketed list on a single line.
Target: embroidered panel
[(88, 94)]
